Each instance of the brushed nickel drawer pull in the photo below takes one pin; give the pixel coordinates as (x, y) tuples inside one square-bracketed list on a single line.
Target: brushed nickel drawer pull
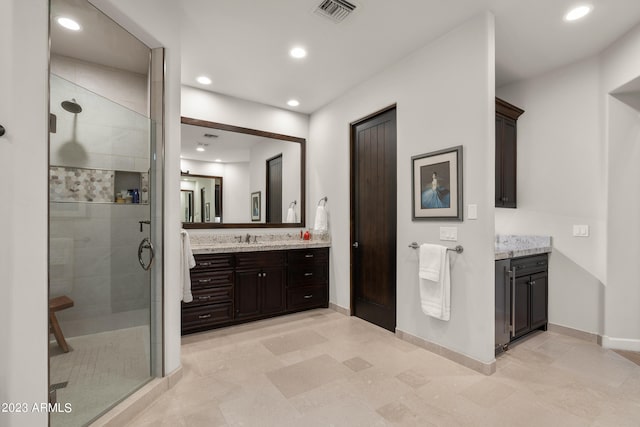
[(308, 296), (207, 298), (204, 280), (308, 256), (204, 264), (308, 274), (204, 316)]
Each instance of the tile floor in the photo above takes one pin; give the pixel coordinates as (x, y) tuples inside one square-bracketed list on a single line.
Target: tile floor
[(321, 368)]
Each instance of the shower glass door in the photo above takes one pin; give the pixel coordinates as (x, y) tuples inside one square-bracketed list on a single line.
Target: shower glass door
[(101, 255)]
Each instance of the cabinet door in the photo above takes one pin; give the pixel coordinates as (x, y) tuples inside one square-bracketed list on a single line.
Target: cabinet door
[(521, 314), (506, 162), (538, 306), (273, 290), (247, 294)]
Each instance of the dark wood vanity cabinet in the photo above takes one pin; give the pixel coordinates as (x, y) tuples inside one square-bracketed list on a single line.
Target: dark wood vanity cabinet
[(506, 153), (239, 287), (260, 284), (308, 284), (531, 294), (212, 287)]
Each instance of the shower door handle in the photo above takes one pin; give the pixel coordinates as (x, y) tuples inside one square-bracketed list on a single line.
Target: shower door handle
[(146, 244)]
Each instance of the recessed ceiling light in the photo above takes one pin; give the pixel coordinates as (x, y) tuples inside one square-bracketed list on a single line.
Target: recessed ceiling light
[(203, 80), (218, 160), (293, 103), (577, 13), (68, 23), (298, 52)]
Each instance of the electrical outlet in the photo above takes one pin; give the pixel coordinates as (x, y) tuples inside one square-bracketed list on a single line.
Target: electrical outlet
[(449, 233)]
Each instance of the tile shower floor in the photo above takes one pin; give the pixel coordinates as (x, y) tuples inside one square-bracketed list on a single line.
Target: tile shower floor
[(321, 368)]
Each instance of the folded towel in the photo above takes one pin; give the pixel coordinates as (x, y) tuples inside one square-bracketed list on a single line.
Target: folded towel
[(291, 215), (322, 223), (435, 295), (430, 263), (187, 262)]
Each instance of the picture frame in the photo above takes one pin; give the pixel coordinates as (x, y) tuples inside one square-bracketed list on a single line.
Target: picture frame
[(256, 206), (436, 185)]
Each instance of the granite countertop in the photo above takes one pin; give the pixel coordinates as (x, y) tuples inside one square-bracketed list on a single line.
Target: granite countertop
[(208, 243), (514, 246)]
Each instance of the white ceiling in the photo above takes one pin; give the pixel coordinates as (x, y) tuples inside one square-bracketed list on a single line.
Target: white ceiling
[(229, 147), (243, 44)]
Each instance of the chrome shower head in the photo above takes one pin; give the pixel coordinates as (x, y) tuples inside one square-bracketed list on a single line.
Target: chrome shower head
[(72, 106)]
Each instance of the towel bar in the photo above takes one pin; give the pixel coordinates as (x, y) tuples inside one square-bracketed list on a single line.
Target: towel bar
[(458, 249)]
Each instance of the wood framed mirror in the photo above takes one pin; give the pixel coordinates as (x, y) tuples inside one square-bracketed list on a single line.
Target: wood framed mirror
[(243, 159)]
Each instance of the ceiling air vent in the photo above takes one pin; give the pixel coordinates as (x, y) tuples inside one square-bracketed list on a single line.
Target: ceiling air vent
[(336, 10)]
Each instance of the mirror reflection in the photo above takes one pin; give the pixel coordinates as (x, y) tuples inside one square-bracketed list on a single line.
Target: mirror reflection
[(262, 174), (201, 198)]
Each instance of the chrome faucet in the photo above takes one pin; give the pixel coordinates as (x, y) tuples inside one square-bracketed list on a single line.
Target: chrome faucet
[(239, 239), (248, 238)]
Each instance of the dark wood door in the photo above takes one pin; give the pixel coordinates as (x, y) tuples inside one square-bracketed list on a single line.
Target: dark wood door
[(521, 316), (247, 294), (274, 190), (273, 290), (373, 215), (538, 307)]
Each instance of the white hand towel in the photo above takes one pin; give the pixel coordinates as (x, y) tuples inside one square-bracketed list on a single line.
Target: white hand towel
[(430, 262), (435, 295), (187, 262), (291, 215), (322, 223)]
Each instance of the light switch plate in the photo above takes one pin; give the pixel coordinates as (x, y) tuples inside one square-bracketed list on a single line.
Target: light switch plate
[(581, 231), (449, 234), (472, 212)]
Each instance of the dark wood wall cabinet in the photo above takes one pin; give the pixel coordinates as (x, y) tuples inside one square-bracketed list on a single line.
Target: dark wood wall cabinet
[(506, 153), (238, 287)]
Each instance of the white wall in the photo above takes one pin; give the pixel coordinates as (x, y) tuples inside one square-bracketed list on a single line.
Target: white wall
[(23, 220), (153, 22), (562, 182), (444, 94)]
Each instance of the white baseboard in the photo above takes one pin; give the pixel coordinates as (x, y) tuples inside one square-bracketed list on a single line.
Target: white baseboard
[(340, 309), (620, 343)]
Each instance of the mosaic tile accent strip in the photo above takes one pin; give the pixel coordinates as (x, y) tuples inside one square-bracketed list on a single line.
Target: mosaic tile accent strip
[(81, 185)]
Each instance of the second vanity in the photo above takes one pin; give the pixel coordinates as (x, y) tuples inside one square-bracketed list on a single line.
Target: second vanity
[(521, 288), (237, 282)]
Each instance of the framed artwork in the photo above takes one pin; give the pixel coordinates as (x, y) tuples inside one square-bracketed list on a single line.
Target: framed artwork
[(436, 182), (255, 206)]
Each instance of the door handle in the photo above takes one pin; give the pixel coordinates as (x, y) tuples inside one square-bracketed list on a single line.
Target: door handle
[(356, 245), (146, 244)]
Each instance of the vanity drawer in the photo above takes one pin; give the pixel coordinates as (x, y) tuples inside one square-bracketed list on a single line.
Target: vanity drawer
[(206, 315), (303, 275), (308, 256), (211, 279), (254, 260), (210, 295), (307, 297), (208, 262)]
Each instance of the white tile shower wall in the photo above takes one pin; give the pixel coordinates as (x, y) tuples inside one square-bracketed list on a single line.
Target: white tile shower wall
[(109, 288), (106, 134)]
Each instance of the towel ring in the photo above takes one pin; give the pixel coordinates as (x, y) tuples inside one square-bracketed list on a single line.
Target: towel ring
[(324, 199), (292, 204)]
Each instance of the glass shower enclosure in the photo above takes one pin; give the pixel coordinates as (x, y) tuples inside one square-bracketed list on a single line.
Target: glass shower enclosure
[(104, 344)]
